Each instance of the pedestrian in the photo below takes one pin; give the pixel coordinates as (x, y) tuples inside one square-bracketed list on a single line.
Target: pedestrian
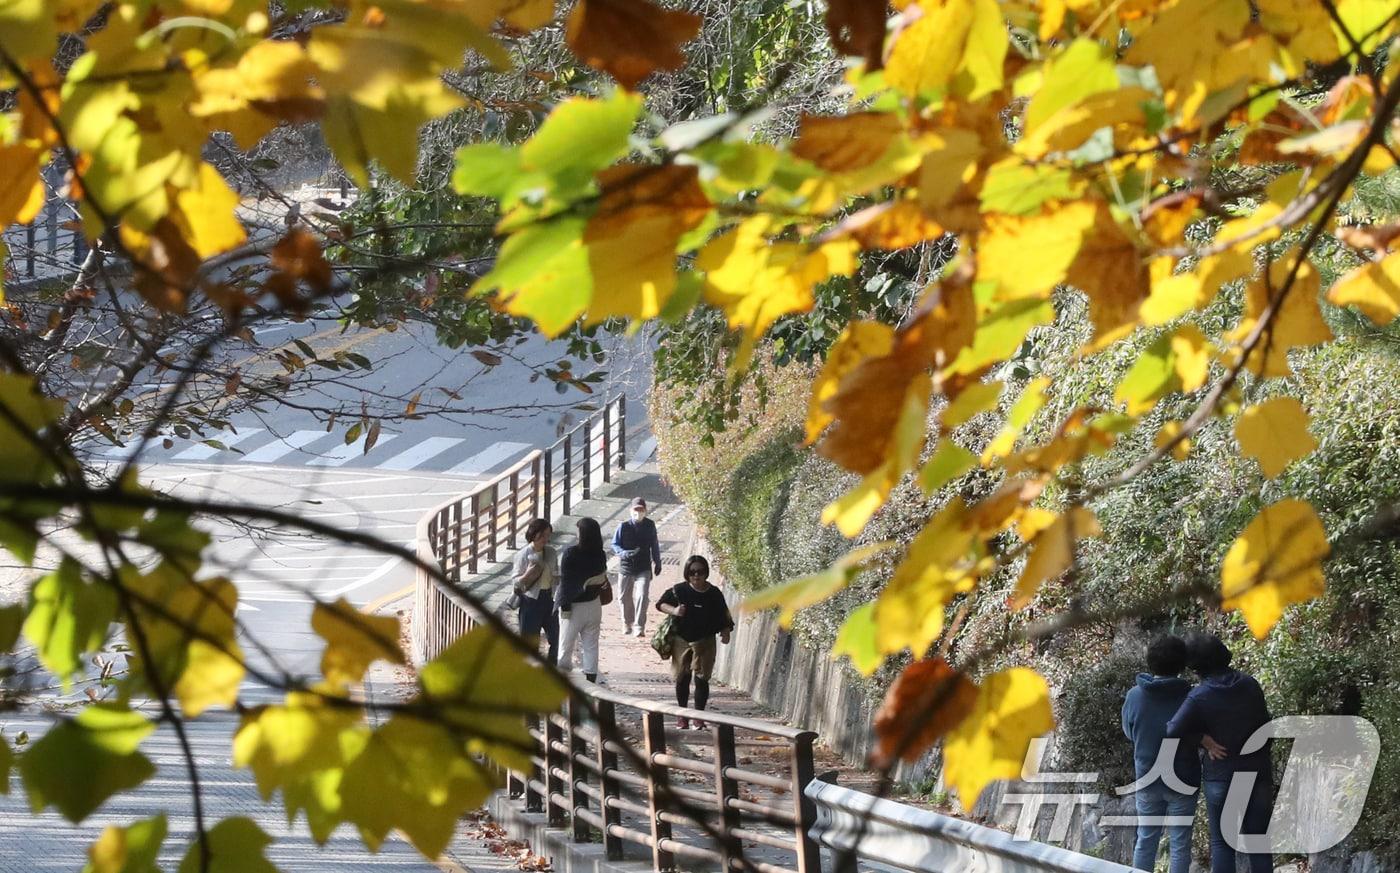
[(1168, 790), (534, 574), (1225, 709), (583, 576), (700, 614), (639, 559)]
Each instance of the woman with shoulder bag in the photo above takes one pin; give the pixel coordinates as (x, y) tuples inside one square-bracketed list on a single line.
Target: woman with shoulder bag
[(535, 574), (582, 592), (700, 613)]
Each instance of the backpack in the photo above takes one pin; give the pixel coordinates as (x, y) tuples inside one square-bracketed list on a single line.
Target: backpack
[(661, 640)]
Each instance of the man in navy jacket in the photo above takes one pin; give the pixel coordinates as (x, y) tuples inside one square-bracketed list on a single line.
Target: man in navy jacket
[(1228, 706), (1164, 788), (639, 559)]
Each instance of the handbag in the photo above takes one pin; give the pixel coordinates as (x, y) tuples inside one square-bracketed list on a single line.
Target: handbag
[(605, 594), (661, 640)]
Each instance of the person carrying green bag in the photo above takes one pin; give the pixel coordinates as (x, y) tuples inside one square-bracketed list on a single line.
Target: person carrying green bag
[(698, 613)]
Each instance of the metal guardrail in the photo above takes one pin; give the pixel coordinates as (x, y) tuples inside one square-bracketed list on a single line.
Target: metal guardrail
[(901, 837), (581, 777)]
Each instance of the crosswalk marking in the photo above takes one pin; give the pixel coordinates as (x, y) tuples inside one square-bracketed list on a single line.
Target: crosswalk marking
[(420, 454), (484, 460), (283, 446), (344, 453), (201, 451)]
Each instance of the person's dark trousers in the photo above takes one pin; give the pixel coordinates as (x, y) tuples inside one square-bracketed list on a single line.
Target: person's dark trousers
[(702, 690), (1256, 821), (537, 614)]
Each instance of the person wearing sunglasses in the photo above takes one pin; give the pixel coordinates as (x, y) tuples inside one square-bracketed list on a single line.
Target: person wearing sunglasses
[(699, 614)]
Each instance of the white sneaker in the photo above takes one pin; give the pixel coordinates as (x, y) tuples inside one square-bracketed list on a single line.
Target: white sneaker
[(627, 632), (641, 632)]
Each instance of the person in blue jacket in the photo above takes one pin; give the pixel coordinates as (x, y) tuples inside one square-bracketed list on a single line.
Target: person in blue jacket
[(639, 559), (1227, 707), (1168, 771)]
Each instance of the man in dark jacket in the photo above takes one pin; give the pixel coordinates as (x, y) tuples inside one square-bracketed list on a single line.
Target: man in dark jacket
[(639, 559), (1229, 707), (1168, 771)]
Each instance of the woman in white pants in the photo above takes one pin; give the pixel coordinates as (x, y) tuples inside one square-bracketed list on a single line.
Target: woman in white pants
[(583, 571)]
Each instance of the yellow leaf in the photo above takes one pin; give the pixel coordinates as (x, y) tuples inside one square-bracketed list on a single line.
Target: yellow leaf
[(1276, 562), (211, 678), (1166, 434), (1022, 411), (1027, 256), (273, 81), (286, 743), (27, 30), (642, 214), (1081, 69), (949, 166), (354, 640), (895, 225), (857, 640), (800, 593), (909, 611), (1276, 433), (757, 281), (1374, 289), (1197, 49), (859, 341), (1298, 321), (629, 39), (21, 188), (1012, 708), (853, 510), (207, 214), (1120, 109), (928, 52), (856, 153), (1052, 550), (1173, 296), (1191, 354)]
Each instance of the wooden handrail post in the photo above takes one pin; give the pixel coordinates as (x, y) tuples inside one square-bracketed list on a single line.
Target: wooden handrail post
[(552, 761), (731, 849), (493, 523), (568, 471), (577, 773), (808, 853), (473, 528), (607, 763), (622, 431), (547, 487), (514, 506), (533, 800), (655, 726), (607, 442), (587, 458)]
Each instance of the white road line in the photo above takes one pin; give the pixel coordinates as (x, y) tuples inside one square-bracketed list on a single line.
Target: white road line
[(419, 454), (369, 514), (283, 445), (485, 460), (345, 453), (645, 450), (201, 451)]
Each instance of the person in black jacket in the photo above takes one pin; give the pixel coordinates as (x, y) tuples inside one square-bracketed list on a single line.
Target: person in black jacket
[(583, 573), (700, 614), (1229, 707)]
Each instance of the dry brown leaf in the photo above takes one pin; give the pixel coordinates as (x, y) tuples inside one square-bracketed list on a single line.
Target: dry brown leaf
[(629, 39), (929, 694), (841, 144), (857, 27)]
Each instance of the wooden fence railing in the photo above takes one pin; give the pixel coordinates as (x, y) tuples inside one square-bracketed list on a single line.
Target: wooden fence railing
[(583, 776)]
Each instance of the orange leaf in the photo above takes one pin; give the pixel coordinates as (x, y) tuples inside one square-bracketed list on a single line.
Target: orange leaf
[(629, 39), (928, 700), (841, 144), (891, 226)]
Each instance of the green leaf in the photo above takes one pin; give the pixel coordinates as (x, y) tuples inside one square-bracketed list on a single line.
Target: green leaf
[(81, 762), (11, 620), (543, 273), (856, 640), (805, 591), (25, 413), (235, 846), (948, 463), (1001, 331), (581, 137), (1150, 378), (1083, 69), (68, 618), (1017, 188), (128, 850), (485, 687), (493, 170)]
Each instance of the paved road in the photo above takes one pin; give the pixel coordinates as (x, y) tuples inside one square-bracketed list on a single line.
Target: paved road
[(289, 463)]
